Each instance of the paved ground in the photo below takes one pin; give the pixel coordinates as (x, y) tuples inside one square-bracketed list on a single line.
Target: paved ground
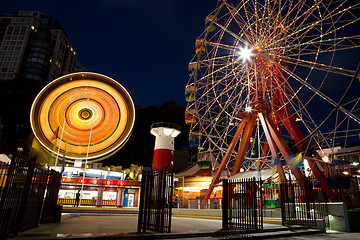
[(80, 226), (77, 225), (342, 236)]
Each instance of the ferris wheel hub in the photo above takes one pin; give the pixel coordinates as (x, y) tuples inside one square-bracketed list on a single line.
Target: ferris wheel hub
[(246, 54)]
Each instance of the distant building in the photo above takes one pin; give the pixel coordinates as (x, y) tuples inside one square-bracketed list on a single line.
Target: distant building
[(101, 185), (34, 46), (34, 50)]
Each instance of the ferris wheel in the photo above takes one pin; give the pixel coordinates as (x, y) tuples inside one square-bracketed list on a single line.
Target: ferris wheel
[(274, 74)]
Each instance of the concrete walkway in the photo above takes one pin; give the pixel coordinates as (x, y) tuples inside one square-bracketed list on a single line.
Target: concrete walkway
[(79, 226), (114, 223)]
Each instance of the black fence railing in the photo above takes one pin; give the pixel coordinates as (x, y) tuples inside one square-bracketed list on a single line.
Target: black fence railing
[(242, 205), (51, 212), (298, 203), (156, 201), (23, 185), (321, 201), (4, 169)]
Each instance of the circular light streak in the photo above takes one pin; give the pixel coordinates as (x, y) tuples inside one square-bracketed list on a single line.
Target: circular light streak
[(76, 104)]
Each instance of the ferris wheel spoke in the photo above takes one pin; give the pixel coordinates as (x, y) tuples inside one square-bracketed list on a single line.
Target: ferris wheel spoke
[(215, 71), (235, 36), (300, 28), (321, 23), (319, 66), (221, 46), (321, 94), (222, 93), (317, 42), (294, 102)]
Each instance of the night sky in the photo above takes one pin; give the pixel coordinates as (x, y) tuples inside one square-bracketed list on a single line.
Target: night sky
[(144, 45)]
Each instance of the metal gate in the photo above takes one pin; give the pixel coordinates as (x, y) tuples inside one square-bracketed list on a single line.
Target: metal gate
[(50, 210), (242, 205), (297, 203), (22, 194), (15, 193), (156, 201), (32, 204)]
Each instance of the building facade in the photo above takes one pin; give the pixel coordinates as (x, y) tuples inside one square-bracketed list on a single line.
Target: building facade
[(34, 46), (101, 187), (34, 50)]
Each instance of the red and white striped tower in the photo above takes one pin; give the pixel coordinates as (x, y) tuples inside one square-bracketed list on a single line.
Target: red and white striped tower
[(164, 144)]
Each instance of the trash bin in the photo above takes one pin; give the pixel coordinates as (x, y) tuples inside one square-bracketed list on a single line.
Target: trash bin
[(58, 211)]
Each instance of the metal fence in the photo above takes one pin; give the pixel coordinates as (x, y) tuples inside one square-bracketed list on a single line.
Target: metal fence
[(22, 195), (156, 201), (50, 211), (211, 203), (4, 168), (321, 200), (242, 205), (32, 205), (297, 203)]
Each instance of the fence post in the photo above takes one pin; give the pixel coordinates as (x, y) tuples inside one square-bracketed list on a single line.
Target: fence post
[(141, 207), (163, 198), (225, 216), (282, 200), (25, 195), (171, 193), (255, 202)]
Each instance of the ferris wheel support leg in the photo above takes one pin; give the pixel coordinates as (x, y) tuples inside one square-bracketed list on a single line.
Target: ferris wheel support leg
[(294, 129), (264, 152), (222, 166), (244, 142), (270, 142), (282, 146), (320, 177)]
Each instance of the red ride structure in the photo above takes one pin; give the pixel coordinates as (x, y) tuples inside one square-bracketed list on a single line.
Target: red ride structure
[(260, 93)]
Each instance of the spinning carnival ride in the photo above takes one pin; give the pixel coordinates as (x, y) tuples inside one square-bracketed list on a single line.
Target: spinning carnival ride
[(271, 79), (82, 116)]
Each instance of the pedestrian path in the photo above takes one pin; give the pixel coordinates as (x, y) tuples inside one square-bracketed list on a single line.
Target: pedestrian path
[(193, 213), (115, 223), (80, 226)]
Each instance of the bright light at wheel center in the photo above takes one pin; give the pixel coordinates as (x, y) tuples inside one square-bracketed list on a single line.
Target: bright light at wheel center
[(248, 109), (245, 54)]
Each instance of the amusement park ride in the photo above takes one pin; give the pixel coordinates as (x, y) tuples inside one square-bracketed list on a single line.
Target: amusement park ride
[(82, 116), (269, 81)]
